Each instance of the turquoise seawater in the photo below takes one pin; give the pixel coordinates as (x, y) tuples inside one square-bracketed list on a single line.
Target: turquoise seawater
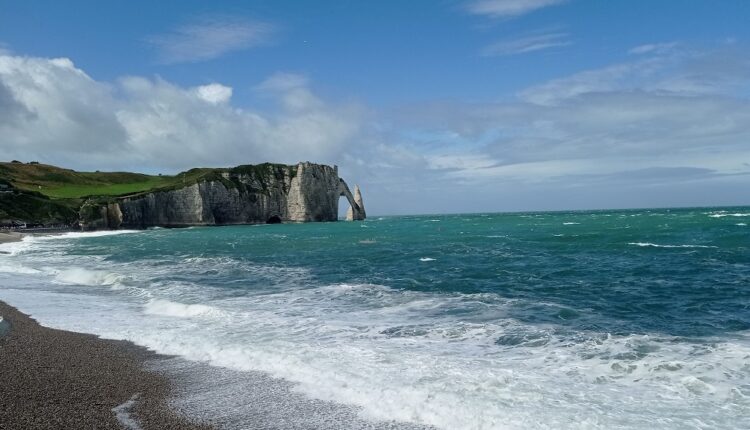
[(598, 319)]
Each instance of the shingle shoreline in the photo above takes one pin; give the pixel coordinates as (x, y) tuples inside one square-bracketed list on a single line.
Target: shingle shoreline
[(55, 379)]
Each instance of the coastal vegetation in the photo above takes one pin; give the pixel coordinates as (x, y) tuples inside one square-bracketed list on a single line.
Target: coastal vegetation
[(45, 194), (58, 183)]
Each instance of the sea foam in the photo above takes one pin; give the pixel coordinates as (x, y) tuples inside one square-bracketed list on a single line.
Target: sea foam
[(81, 276), (654, 245), (180, 310), (724, 214)]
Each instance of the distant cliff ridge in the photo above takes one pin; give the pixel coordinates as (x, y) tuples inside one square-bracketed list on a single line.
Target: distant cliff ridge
[(268, 193)]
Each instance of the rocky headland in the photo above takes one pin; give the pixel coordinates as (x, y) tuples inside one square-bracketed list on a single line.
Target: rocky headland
[(248, 194)]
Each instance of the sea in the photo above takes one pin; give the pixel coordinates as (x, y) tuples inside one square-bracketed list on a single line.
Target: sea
[(611, 319)]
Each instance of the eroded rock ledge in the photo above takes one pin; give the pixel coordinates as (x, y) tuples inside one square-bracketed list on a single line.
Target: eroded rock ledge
[(265, 193)]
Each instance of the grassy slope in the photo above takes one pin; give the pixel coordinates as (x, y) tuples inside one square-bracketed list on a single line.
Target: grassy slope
[(52, 195), (58, 183)]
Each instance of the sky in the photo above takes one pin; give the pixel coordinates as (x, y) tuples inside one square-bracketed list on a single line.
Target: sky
[(442, 106)]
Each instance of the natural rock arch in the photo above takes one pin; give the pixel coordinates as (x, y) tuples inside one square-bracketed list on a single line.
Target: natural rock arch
[(356, 210)]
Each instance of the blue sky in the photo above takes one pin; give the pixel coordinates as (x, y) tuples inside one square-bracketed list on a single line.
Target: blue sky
[(475, 105)]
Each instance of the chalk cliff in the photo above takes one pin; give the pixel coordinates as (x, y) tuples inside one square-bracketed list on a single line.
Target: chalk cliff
[(266, 193)]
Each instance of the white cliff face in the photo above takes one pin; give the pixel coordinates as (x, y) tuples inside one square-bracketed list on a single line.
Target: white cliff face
[(242, 195), (296, 205), (313, 195)]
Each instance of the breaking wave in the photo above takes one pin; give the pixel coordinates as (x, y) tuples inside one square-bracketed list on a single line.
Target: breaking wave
[(724, 214), (180, 310), (81, 276), (654, 245)]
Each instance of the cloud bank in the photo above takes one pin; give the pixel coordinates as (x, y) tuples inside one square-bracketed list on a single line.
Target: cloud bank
[(54, 111)]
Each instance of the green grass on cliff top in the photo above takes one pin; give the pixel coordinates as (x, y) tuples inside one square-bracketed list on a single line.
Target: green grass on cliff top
[(79, 191), (58, 183)]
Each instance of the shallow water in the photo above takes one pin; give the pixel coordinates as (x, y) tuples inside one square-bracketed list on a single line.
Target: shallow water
[(606, 319)]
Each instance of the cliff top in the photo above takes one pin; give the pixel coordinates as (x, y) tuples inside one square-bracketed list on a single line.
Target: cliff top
[(51, 194), (60, 183)]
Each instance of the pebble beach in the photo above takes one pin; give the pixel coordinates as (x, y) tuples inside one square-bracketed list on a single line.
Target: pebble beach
[(55, 379)]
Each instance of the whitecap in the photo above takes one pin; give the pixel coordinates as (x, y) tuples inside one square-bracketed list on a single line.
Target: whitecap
[(426, 259), (571, 223), (180, 310), (13, 248), (724, 214), (16, 268), (84, 234), (81, 276), (654, 245)]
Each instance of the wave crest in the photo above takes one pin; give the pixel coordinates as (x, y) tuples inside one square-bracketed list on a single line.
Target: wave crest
[(180, 310), (81, 276), (654, 245)]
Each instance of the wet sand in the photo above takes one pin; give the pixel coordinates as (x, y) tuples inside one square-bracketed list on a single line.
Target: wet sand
[(10, 236), (55, 379)]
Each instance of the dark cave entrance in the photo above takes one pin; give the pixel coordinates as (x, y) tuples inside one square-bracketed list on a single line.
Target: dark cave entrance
[(274, 220)]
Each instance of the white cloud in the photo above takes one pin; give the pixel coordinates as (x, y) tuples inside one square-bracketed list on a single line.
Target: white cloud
[(719, 72), (214, 93), (55, 104), (589, 81), (531, 43), (56, 113), (459, 161), (653, 48), (293, 91), (508, 8), (210, 38)]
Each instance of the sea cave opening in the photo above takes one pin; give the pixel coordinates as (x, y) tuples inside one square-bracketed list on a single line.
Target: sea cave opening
[(275, 219)]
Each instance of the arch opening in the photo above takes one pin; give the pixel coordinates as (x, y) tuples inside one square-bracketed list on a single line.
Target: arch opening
[(344, 207), (275, 219)]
